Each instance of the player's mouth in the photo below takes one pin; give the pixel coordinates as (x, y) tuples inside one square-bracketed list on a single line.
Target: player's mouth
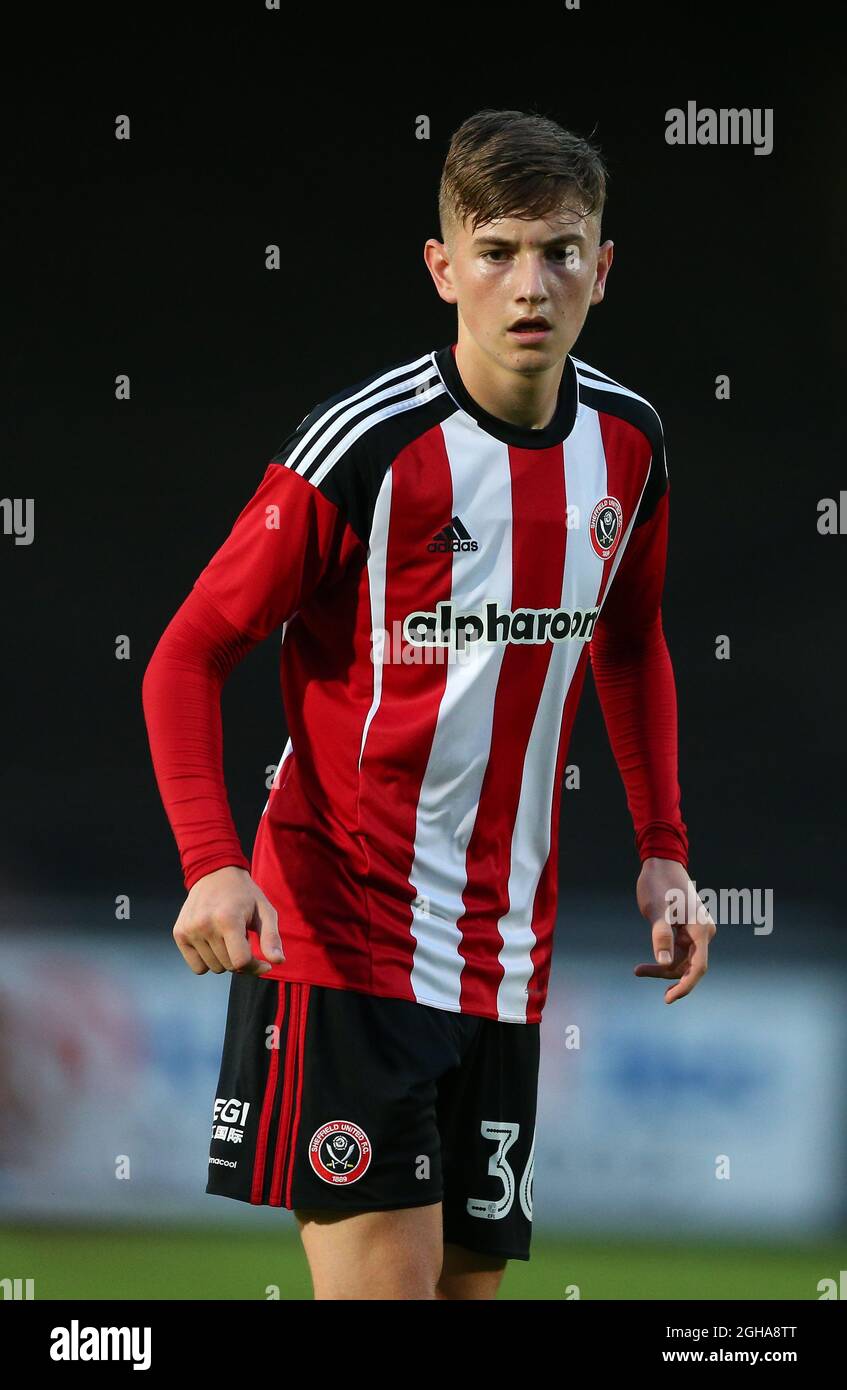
[(532, 328)]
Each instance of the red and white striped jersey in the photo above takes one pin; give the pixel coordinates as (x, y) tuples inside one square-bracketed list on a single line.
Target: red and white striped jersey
[(439, 574)]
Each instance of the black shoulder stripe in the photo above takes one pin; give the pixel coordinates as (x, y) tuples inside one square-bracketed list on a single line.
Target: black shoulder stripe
[(639, 413), (322, 427), (354, 479)]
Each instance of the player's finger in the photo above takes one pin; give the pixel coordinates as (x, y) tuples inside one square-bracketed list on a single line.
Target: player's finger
[(686, 984), (254, 966), (239, 949), (232, 948), (698, 964), (269, 939), (239, 955), (223, 942), (659, 972), (191, 957), (663, 942), (206, 951), (695, 967)]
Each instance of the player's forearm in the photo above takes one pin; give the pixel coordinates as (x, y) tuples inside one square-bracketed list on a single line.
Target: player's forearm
[(637, 693), (181, 696)]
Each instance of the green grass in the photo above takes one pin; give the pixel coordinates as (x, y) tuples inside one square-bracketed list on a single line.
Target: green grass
[(227, 1264)]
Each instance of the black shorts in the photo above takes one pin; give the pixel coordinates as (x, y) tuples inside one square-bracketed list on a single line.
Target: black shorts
[(344, 1101)]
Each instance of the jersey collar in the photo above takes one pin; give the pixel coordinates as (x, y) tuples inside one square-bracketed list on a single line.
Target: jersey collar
[(519, 437)]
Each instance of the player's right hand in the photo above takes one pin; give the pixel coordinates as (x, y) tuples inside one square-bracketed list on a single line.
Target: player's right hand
[(211, 929)]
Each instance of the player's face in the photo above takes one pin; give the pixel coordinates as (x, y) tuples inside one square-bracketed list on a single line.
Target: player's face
[(511, 269)]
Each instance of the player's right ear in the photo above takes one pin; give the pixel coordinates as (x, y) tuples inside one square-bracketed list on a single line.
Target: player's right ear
[(437, 260)]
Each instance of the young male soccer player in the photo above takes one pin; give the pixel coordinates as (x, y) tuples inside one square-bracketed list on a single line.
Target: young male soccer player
[(443, 544)]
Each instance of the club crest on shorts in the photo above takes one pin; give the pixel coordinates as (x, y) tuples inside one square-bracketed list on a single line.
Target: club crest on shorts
[(606, 526), (340, 1152)]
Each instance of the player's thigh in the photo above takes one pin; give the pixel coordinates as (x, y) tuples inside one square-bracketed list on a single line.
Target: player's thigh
[(373, 1254), (468, 1274)]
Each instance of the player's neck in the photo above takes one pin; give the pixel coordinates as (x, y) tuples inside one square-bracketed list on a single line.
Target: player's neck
[(526, 400)]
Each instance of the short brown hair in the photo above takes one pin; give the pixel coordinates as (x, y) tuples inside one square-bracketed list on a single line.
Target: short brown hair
[(516, 164)]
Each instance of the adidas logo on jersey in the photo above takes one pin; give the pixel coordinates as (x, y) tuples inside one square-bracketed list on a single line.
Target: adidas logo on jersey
[(454, 536)]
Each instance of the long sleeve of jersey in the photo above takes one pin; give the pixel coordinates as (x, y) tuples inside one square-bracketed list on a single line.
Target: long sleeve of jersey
[(287, 540), (181, 695), (635, 685)]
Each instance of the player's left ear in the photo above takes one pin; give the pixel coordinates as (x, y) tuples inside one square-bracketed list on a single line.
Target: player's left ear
[(605, 255)]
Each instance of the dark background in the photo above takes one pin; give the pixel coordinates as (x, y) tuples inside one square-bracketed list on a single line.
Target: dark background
[(147, 257)]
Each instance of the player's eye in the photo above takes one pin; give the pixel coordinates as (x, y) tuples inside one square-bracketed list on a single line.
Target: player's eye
[(560, 254)]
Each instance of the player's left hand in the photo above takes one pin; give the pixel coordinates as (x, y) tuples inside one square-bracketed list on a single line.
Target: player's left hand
[(682, 927)]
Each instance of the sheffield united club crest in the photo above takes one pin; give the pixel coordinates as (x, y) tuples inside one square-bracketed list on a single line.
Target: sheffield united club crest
[(606, 526), (340, 1152)]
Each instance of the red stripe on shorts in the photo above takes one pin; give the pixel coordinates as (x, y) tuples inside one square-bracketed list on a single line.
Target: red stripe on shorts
[(301, 1047), (284, 1123), (268, 1102)]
